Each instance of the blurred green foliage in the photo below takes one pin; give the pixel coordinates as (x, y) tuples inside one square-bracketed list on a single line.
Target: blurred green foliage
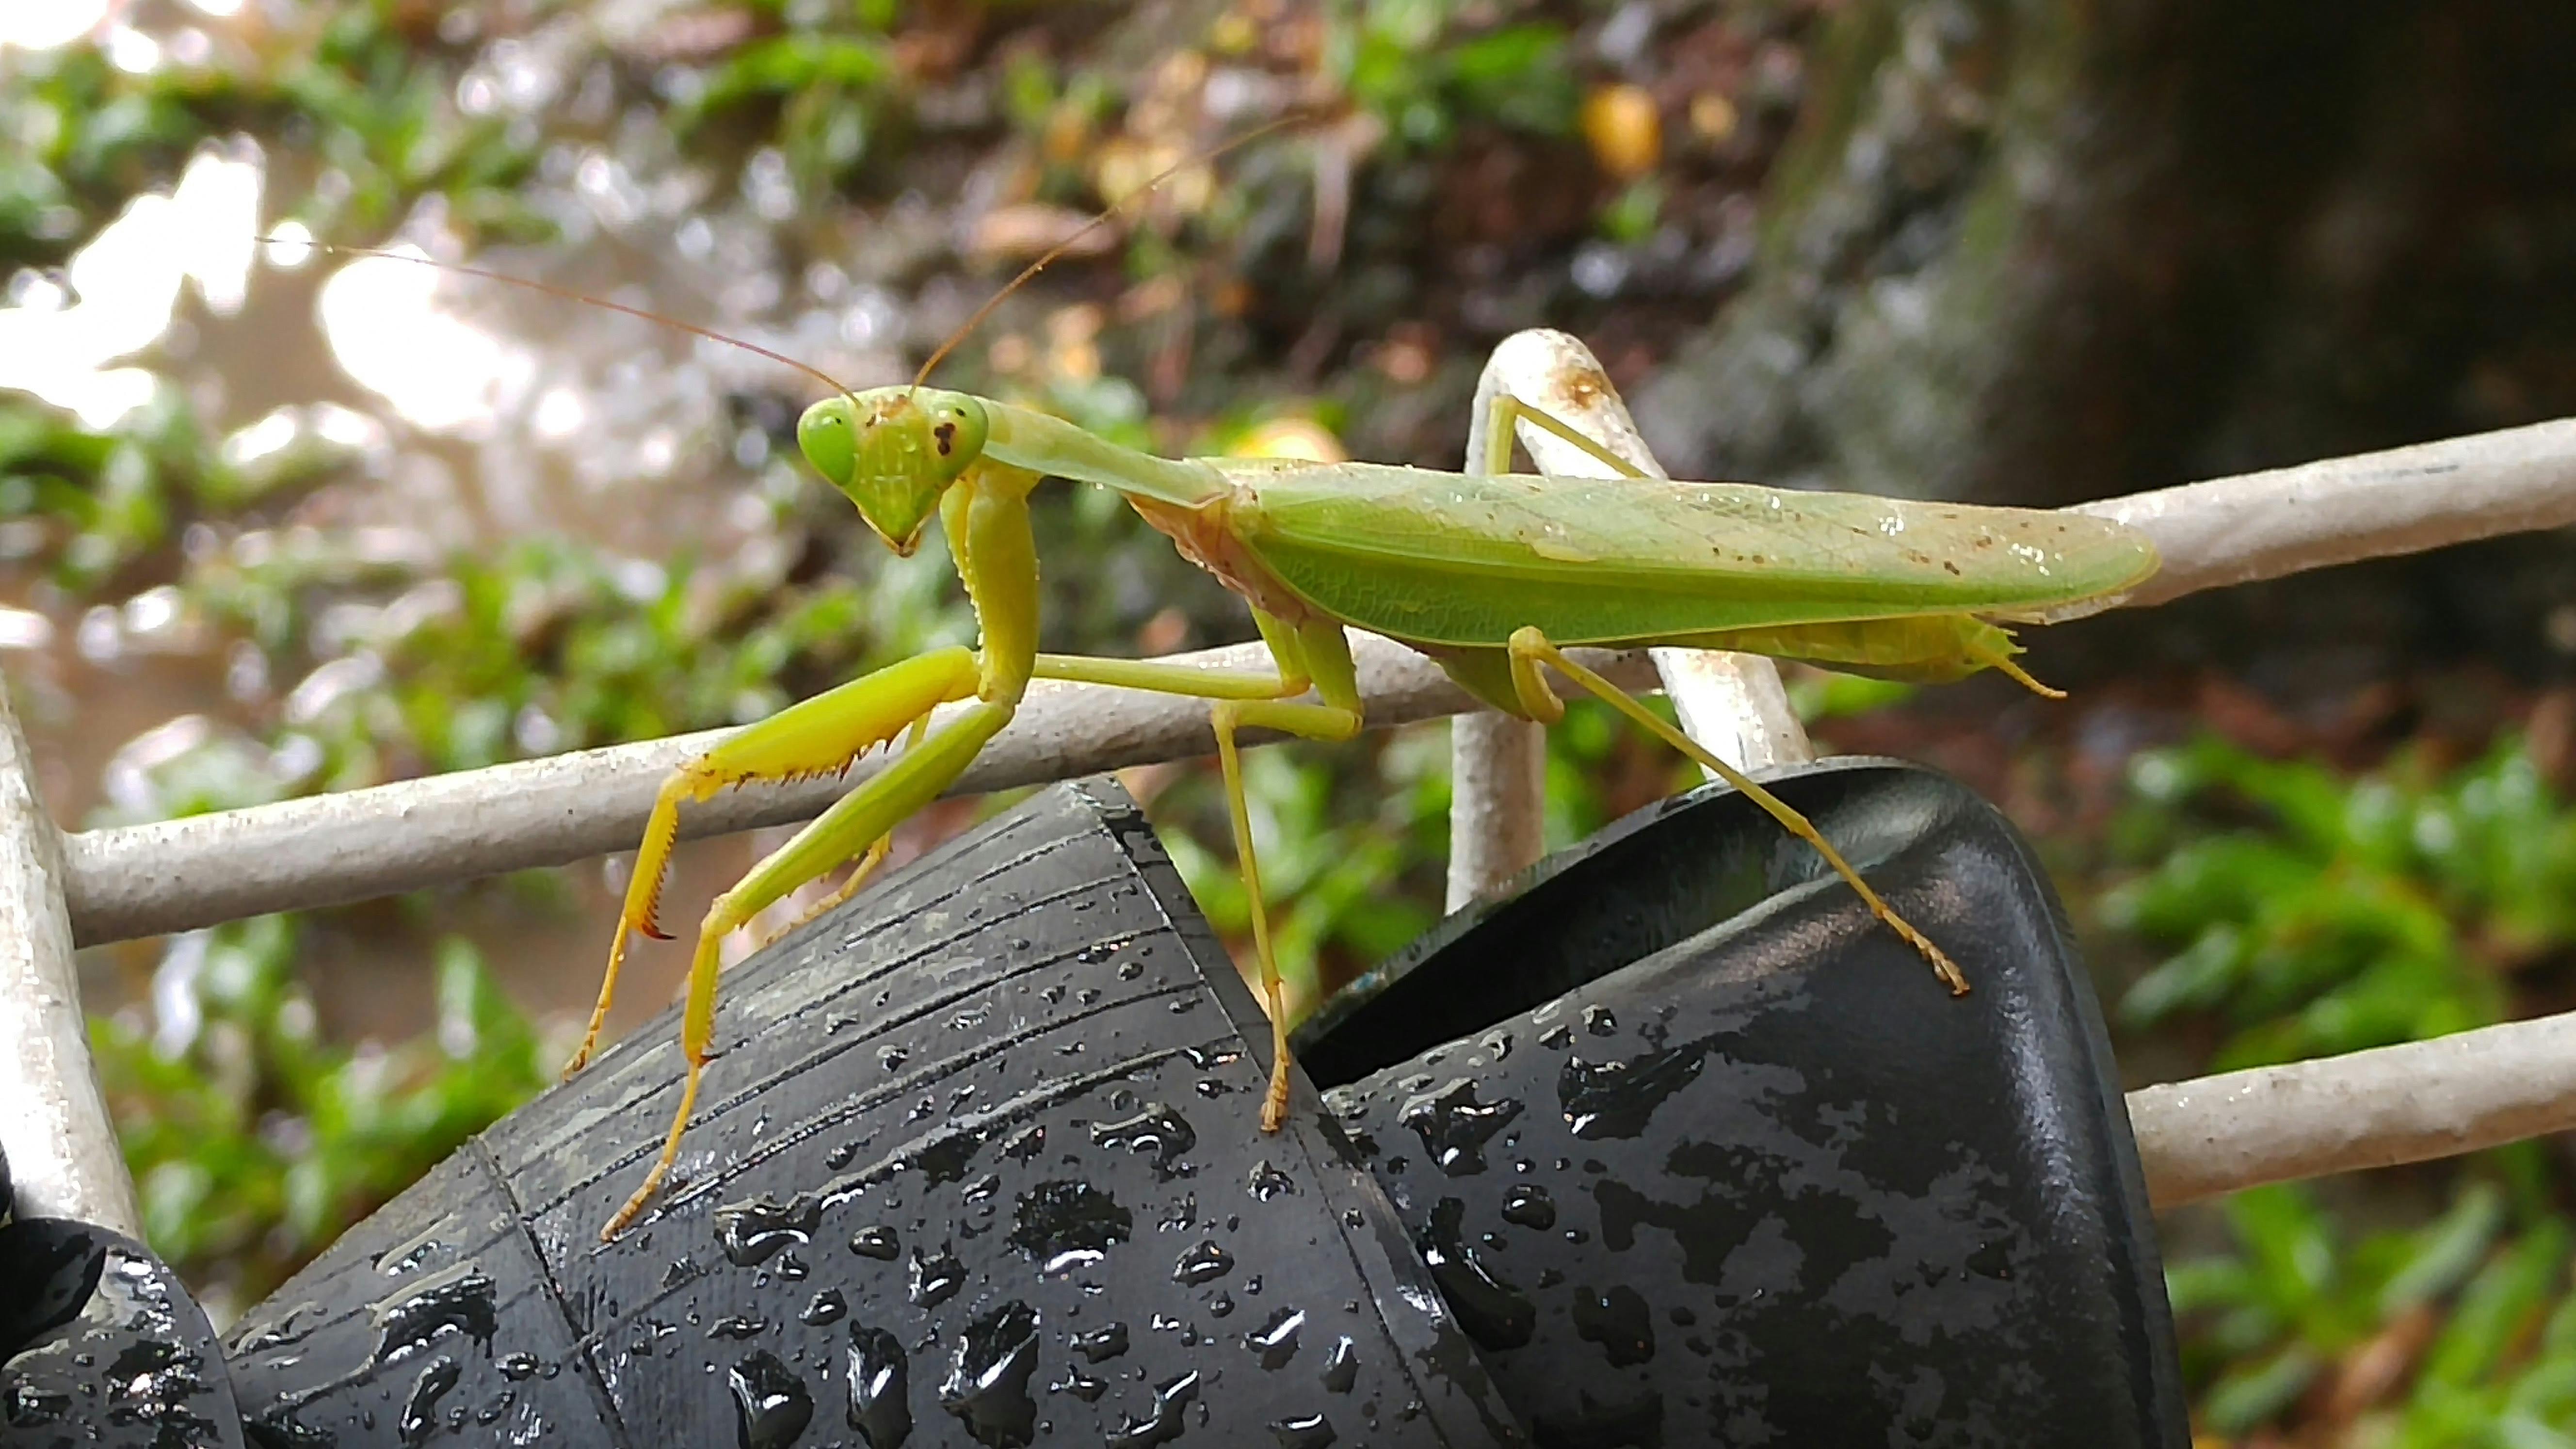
[(2469, 1312), (2313, 913), (254, 1142), (1402, 61), (90, 503), (2331, 914)]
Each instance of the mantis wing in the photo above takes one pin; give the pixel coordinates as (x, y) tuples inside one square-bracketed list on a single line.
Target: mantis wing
[(1460, 559)]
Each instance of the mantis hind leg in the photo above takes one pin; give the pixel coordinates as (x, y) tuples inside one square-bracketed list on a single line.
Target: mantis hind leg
[(1530, 648), (1313, 654)]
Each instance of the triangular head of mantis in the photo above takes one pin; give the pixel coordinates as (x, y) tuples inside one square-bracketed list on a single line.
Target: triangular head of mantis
[(894, 451)]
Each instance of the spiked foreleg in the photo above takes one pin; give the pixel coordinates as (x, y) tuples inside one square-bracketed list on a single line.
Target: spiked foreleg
[(874, 857), (986, 517), (819, 736), (914, 779)]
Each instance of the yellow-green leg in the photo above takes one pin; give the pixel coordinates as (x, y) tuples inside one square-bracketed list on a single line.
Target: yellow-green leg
[(913, 780), (818, 736), (1530, 648), (1509, 410), (874, 857), (1313, 654), (2002, 663), (984, 513), (1306, 721)]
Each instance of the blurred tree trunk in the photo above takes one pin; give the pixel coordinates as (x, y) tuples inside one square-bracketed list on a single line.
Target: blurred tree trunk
[(2033, 251)]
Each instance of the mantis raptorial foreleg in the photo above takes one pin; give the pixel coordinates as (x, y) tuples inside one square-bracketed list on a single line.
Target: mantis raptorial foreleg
[(1313, 655), (874, 857), (865, 815), (818, 736), (987, 520), (1530, 648)]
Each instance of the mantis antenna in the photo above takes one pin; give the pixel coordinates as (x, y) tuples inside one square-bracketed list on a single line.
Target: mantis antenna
[(1026, 274), (567, 294), (1098, 220)]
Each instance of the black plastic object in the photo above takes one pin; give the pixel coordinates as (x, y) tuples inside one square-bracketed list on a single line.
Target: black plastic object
[(980, 1164), (1701, 1154), (100, 1345)]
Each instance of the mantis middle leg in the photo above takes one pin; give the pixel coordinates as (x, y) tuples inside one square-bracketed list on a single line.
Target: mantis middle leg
[(1313, 654)]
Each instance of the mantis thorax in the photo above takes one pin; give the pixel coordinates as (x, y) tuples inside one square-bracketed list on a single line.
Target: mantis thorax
[(894, 451)]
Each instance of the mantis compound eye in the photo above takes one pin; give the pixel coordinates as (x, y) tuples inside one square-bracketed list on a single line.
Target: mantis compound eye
[(827, 436)]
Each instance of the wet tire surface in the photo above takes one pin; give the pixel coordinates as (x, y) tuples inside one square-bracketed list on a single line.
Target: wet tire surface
[(1765, 1181), (979, 1164), (102, 1347)]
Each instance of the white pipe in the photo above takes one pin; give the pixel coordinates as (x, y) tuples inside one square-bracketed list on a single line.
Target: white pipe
[(1732, 703), (62, 1150), (176, 875), (2375, 1108)]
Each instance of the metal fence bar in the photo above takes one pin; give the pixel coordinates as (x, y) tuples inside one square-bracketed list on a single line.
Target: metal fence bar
[(2375, 1108), (177, 875), (1497, 764), (2371, 505), (62, 1149), (1731, 703)]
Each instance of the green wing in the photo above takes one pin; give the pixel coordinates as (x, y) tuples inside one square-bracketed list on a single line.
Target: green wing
[(1449, 558)]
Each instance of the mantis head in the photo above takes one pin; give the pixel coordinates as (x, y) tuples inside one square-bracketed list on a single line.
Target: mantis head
[(894, 451)]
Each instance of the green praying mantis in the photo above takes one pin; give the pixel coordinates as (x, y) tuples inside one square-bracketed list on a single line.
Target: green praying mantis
[(1490, 574)]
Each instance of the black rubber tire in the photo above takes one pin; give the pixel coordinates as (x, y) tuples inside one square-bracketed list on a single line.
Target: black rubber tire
[(985, 1139), (1703, 1154), (101, 1345)]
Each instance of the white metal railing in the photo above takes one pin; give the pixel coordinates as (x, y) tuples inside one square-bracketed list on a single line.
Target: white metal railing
[(1731, 703), (2198, 1139), (63, 1156)]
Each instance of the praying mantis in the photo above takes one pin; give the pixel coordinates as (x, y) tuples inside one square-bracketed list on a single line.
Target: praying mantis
[(1490, 574)]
